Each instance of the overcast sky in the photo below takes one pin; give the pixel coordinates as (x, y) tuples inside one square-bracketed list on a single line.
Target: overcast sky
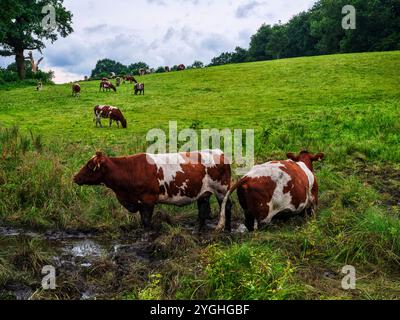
[(158, 32)]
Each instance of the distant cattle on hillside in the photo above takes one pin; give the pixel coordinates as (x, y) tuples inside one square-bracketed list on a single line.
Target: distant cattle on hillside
[(109, 112), (130, 79), (76, 90), (106, 85), (139, 88)]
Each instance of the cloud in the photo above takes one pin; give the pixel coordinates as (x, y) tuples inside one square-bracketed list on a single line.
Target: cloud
[(245, 10)]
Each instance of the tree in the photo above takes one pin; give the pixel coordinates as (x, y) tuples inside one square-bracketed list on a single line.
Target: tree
[(277, 43), (240, 55), (197, 64), (104, 67), (258, 43), (21, 27), (134, 68), (300, 42), (160, 70), (223, 58)]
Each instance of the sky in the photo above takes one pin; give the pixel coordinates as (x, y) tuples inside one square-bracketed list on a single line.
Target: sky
[(158, 32)]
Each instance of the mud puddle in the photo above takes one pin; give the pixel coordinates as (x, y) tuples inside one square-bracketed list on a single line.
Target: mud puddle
[(73, 255), (90, 265)]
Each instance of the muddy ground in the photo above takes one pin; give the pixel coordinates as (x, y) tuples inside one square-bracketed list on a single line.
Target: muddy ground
[(95, 265)]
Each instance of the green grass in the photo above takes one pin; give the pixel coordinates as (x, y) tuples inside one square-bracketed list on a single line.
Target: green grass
[(346, 106)]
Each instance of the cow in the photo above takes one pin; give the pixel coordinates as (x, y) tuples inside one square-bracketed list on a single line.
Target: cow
[(144, 180), (39, 86), (139, 87), (110, 112), (106, 85), (274, 187), (142, 71), (181, 67), (76, 90), (130, 79)]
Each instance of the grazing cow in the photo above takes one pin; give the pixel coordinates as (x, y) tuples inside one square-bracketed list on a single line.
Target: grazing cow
[(141, 181), (109, 112), (139, 87), (106, 85), (130, 79), (288, 186), (181, 67), (76, 90)]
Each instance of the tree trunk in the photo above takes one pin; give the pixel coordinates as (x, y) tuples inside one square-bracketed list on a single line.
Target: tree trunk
[(20, 61)]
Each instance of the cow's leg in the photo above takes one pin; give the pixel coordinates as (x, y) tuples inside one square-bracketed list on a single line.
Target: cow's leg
[(146, 212), (249, 217), (117, 124), (312, 211), (249, 220), (228, 211), (204, 207), (110, 123)]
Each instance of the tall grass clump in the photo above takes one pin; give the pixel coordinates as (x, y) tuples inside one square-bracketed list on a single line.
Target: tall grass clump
[(244, 271)]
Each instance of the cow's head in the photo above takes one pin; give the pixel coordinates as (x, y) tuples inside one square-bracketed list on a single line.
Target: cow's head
[(93, 172), (306, 157), (123, 122)]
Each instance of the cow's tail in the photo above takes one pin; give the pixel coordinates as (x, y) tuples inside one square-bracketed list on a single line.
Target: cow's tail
[(222, 217)]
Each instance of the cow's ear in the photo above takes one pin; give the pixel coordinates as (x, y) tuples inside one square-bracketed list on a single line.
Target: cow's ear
[(100, 159), (318, 157), (292, 156)]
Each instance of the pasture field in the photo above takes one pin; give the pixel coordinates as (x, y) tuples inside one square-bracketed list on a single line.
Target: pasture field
[(347, 106)]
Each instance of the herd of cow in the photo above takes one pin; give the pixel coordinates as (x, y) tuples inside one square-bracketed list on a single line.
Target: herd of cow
[(110, 112), (142, 181), (106, 85)]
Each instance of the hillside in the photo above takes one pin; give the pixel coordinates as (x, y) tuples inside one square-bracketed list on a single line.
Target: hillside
[(346, 106)]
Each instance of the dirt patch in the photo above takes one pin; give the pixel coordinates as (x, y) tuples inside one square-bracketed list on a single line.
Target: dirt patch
[(385, 179)]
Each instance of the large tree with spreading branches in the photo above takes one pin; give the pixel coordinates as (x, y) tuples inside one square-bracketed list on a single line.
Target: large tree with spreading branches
[(27, 24)]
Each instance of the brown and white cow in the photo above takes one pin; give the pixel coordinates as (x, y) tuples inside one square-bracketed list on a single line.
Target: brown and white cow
[(139, 87), (141, 181), (106, 85), (277, 187), (109, 112), (76, 90), (130, 79)]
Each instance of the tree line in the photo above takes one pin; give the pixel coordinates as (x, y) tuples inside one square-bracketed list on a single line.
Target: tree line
[(319, 31), (104, 67)]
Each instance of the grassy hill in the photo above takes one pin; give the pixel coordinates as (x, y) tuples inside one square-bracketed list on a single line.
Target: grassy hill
[(346, 106)]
